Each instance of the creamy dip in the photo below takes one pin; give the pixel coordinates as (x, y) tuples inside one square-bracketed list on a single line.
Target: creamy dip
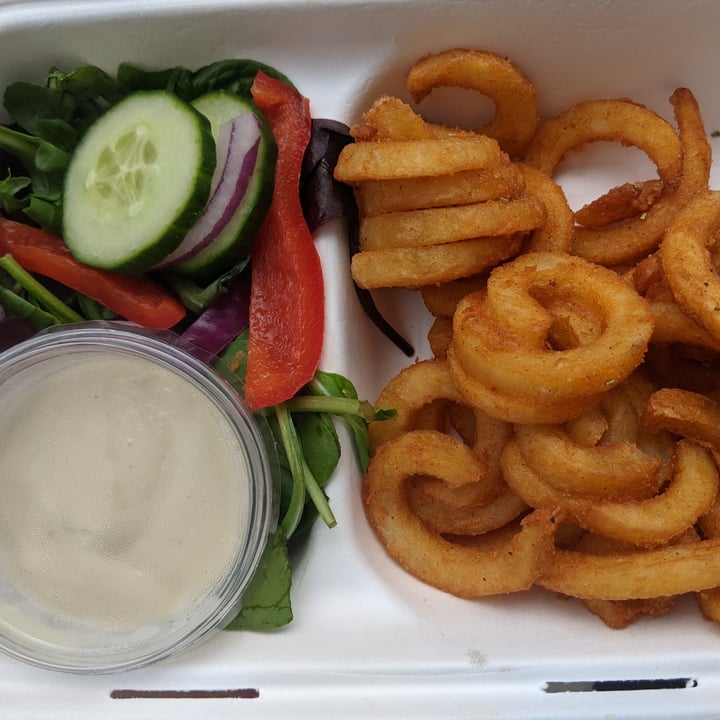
[(123, 491)]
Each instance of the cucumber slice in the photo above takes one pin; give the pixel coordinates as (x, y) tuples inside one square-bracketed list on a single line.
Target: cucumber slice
[(232, 244), (219, 107), (137, 181)]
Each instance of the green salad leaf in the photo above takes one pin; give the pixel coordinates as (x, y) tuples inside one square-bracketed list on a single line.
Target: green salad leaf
[(51, 118), (308, 450), (48, 122), (34, 296), (266, 602), (10, 187)]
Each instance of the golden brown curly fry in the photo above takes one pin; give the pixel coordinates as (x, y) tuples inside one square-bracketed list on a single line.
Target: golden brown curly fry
[(500, 357), (516, 114), (452, 567)]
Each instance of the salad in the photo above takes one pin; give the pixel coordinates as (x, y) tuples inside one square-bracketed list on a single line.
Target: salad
[(186, 200)]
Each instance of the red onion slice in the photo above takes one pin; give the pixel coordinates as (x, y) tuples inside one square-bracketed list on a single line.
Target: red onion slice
[(237, 150)]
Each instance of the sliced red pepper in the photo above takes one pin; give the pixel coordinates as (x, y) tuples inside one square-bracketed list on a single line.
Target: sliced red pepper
[(138, 299), (287, 296)]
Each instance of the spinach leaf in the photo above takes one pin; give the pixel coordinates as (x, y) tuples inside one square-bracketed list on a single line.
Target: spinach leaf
[(233, 75), (266, 602)]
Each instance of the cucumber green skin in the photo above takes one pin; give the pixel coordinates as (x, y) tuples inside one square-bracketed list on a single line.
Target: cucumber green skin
[(219, 107), (172, 234), (234, 242)]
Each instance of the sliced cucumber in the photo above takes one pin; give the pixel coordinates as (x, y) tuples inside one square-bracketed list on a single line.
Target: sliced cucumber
[(232, 244), (219, 107), (137, 181)]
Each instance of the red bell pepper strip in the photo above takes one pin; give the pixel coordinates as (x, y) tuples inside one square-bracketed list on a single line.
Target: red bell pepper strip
[(287, 295), (138, 299)]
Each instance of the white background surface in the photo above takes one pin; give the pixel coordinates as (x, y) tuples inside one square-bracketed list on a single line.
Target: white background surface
[(369, 641)]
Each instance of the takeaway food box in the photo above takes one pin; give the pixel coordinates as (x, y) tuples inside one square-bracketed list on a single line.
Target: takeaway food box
[(368, 640)]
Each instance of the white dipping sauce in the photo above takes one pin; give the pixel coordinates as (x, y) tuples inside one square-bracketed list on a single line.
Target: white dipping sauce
[(123, 491)]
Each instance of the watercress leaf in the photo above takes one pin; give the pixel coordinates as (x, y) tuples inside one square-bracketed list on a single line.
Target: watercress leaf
[(49, 158), (39, 292), (19, 145), (44, 114), (86, 82), (47, 186), (294, 498), (30, 104), (10, 204), (266, 602), (289, 440), (197, 297), (358, 430), (193, 296), (92, 309), (320, 443), (59, 133), (177, 80), (286, 481), (45, 213), (6, 280), (235, 355), (290, 487), (87, 112), (335, 385), (68, 103), (383, 413), (23, 309), (307, 520)]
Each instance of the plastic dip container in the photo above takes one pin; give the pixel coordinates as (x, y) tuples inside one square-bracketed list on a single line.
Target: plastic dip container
[(136, 499)]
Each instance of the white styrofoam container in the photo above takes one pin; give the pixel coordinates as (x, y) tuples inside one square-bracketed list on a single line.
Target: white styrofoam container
[(368, 640)]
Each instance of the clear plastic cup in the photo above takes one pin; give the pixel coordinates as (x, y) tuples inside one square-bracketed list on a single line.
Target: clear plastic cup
[(136, 498)]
